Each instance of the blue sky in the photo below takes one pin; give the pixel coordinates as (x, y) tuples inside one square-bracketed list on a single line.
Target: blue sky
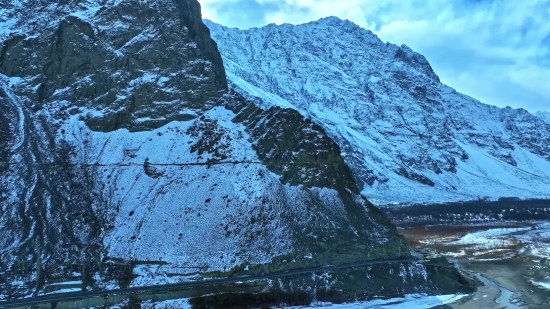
[(497, 51)]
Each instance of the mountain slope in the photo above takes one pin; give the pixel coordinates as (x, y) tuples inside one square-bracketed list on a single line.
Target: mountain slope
[(406, 136), (544, 115), (120, 141)]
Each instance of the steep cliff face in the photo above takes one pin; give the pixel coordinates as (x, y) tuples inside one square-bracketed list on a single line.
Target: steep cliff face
[(406, 136), (129, 62)]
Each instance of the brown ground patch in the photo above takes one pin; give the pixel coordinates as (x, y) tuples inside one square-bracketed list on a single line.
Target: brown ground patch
[(438, 238), (417, 237)]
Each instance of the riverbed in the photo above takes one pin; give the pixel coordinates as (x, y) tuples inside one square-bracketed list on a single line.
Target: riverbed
[(512, 261)]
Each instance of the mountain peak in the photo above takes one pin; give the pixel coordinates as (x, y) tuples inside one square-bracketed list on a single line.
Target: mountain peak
[(333, 19), (345, 24)]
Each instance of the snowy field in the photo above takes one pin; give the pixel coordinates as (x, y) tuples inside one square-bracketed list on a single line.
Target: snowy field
[(536, 241), (490, 239), (497, 243), (544, 285)]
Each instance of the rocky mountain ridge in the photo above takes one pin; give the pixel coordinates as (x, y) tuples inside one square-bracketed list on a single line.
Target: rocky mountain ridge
[(406, 136), (121, 141)]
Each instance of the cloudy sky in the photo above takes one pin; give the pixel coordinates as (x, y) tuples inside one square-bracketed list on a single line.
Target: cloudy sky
[(497, 51)]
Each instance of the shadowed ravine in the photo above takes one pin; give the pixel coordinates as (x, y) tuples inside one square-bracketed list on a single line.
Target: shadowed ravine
[(52, 192), (23, 172)]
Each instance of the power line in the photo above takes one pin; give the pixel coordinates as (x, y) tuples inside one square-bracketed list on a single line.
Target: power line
[(163, 164), (208, 164), (138, 164)]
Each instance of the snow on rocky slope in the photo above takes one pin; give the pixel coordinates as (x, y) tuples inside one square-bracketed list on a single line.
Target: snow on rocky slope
[(544, 115), (120, 140), (98, 93), (406, 136)]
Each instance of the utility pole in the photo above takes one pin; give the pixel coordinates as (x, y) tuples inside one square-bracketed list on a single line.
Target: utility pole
[(83, 271), (99, 265), (38, 272)]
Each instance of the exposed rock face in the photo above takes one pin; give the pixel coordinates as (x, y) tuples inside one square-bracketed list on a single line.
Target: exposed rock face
[(140, 66), (302, 154), (406, 136), (124, 142)]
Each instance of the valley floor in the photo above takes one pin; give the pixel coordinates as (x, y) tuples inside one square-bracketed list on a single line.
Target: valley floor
[(521, 281), (511, 257)]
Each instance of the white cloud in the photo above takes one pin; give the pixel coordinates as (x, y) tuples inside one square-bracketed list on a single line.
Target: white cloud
[(497, 51)]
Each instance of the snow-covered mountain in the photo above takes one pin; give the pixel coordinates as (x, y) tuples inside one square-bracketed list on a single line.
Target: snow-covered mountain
[(406, 136), (544, 115), (120, 140)]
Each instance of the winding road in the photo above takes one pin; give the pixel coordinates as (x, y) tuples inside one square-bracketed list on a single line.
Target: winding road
[(132, 290)]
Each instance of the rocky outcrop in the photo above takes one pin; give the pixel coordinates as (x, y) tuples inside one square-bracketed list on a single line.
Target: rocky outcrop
[(302, 154), (139, 68), (294, 147), (405, 136)]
